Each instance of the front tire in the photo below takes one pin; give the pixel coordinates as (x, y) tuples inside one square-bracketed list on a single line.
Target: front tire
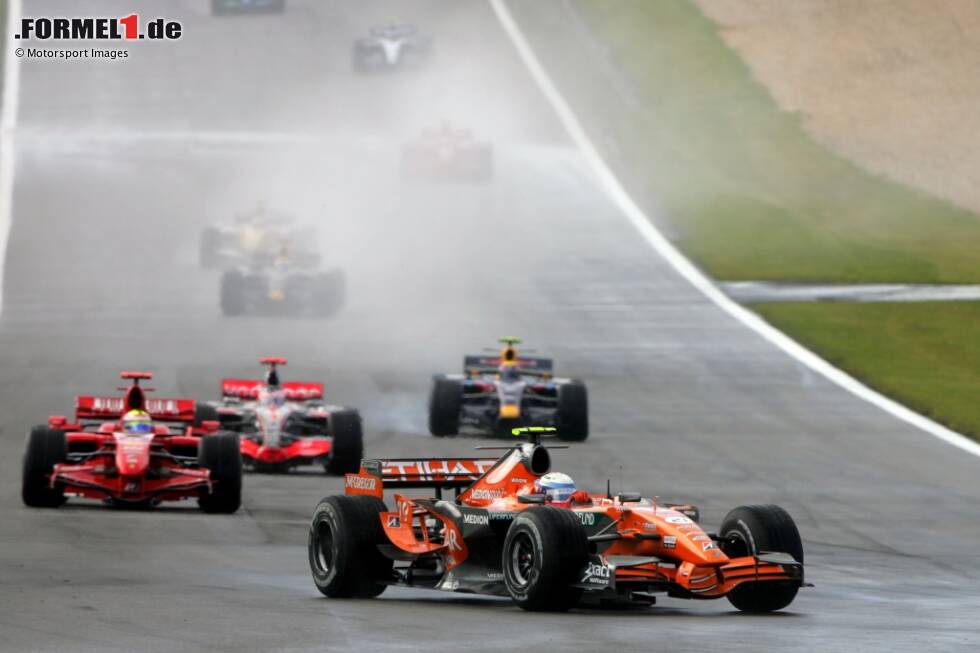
[(347, 448), (343, 547), (749, 530), (46, 447), (543, 552), (221, 455), (573, 412), (445, 404)]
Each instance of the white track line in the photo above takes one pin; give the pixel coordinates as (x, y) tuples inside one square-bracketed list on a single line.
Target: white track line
[(8, 126), (692, 274)]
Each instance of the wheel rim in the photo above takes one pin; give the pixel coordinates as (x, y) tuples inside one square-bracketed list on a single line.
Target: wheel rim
[(735, 545), (323, 546), (522, 566)]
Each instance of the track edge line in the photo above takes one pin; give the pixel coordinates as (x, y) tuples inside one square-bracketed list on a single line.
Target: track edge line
[(683, 266)]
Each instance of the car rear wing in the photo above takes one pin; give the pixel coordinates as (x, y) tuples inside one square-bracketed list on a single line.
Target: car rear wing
[(164, 410), (439, 473), (491, 364), (249, 389)]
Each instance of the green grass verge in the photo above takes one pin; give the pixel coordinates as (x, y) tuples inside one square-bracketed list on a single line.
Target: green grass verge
[(748, 192), (925, 355)]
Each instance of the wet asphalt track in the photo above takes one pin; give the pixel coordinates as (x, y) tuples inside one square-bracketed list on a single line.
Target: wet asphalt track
[(121, 163)]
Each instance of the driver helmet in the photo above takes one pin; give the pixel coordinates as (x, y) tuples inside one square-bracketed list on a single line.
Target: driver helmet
[(273, 397), (557, 487), (272, 379), (510, 373), (137, 422)]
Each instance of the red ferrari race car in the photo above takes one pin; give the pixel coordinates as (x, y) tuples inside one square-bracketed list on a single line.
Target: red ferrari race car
[(514, 528), (447, 154), (285, 425), (132, 450)]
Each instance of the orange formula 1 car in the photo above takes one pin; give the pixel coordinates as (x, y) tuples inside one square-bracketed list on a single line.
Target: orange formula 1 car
[(500, 535)]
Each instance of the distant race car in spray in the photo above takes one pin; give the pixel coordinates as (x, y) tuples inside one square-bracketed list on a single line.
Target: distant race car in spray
[(226, 7), (446, 153), (133, 450), (282, 289), (255, 237), (497, 393), (287, 425), (515, 528), (390, 47)]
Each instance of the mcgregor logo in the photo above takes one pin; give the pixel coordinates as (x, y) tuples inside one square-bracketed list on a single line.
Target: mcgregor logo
[(98, 29)]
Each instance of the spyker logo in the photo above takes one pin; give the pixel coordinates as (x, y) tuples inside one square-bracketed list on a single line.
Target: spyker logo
[(596, 574)]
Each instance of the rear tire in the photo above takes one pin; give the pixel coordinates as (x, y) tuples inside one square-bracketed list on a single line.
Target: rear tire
[(545, 549), (573, 412), (749, 530), (233, 293), (343, 547), (348, 442), (445, 404), (46, 447), (221, 455)]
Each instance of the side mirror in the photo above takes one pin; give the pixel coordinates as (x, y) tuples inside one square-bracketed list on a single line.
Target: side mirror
[(530, 498), (629, 497), (210, 426)]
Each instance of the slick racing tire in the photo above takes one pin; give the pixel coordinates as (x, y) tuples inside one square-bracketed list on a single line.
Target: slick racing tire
[(46, 447), (348, 442), (749, 530), (445, 403), (544, 551), (573, 412), (343, 546), (205, 413), (233, 301), (221, 455)]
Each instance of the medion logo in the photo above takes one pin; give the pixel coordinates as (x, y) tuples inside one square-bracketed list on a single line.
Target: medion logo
[(99, 29)]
